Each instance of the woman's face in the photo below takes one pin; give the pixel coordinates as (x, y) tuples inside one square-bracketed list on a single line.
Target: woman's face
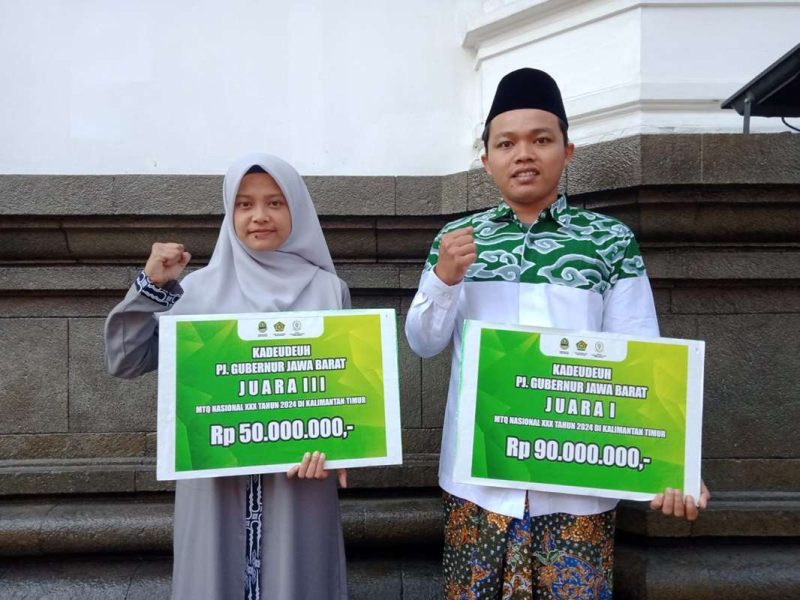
[(261, 214)]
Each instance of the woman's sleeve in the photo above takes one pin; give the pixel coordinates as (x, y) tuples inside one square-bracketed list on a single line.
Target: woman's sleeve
[(131, 331), (346, 301)]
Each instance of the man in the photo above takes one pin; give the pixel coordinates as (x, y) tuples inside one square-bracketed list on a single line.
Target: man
[(531, 260)]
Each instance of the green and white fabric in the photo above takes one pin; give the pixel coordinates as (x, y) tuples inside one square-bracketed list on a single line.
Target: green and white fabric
[(571, 269)]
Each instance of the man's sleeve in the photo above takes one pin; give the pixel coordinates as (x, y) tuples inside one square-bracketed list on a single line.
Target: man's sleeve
[(628, 305), (432, 316)]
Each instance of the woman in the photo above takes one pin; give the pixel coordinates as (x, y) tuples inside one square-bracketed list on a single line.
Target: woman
[(261, 536)]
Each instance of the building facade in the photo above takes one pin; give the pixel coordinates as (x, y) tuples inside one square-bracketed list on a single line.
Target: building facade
[(119, 121)]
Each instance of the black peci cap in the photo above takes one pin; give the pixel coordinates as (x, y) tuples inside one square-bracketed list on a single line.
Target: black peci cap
[(527, 88)]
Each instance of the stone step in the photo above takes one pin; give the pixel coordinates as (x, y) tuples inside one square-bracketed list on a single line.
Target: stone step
[(143, 524), (149, 578), (707, 569), (656, 571), (687, 263)]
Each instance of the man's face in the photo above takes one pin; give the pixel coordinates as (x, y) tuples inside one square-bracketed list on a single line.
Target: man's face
[(525, 157), (261, 215)]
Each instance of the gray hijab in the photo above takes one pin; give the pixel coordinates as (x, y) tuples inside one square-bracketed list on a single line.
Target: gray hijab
[(297, 276)]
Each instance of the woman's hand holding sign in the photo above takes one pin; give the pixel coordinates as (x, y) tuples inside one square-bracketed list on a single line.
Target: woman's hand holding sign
[(313, 467), (457, 252), (167, 261)]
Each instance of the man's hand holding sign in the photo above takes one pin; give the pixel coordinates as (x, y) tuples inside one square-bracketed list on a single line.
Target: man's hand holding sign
[(673, 503)]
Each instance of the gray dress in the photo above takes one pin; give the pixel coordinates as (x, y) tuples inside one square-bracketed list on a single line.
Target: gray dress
[(302, 549)]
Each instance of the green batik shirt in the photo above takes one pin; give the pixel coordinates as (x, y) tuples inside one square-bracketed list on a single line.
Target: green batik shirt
[(565, 246), (571, 269)]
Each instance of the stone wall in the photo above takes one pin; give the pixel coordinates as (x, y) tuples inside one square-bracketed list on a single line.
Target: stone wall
[(717, 219)]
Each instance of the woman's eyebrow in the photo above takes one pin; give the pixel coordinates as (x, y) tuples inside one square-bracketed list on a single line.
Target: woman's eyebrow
[(251, 196)]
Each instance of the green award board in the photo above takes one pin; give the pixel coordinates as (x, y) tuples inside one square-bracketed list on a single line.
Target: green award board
[(579, 412), (251, 393)]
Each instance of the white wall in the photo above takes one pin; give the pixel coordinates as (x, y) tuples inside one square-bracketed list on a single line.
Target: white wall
[(627, 67), (599, 59), (354, 87)]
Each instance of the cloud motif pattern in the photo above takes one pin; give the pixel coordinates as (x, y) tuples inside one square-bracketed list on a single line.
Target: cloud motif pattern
[(567, 246)]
